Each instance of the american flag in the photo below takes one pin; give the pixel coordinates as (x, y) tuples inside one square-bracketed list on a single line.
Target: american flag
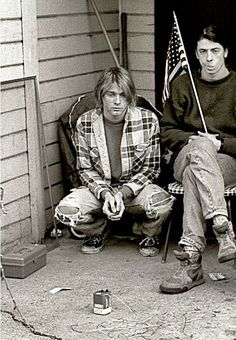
[(176, 61)]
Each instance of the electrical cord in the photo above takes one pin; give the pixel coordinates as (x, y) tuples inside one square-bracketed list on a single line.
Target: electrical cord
[(23, 320)]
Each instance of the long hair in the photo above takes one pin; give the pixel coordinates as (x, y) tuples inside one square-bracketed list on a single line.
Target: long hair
[(122, 78)]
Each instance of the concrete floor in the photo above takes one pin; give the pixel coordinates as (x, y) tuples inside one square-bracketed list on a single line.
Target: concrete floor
[(139, 310)]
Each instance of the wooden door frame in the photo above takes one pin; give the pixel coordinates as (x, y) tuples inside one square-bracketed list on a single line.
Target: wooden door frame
[(30, 54), (191, 16)]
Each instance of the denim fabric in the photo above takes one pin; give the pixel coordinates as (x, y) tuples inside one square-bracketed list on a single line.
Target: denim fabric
[(204, 174), (153, 204)]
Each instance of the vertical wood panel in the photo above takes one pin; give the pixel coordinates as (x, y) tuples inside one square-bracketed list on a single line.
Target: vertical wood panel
[(34, 147)]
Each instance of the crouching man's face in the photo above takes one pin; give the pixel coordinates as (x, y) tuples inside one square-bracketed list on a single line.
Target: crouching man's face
[(115, 104)]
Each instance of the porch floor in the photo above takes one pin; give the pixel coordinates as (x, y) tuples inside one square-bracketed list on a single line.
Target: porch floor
[(139, 310)]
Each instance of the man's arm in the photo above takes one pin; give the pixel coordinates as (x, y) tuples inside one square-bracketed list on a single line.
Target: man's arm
[(173, 134), (176, 128), (151, 164), (228, 146)]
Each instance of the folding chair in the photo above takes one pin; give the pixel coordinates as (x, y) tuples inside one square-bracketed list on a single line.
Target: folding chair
[(176, 189)]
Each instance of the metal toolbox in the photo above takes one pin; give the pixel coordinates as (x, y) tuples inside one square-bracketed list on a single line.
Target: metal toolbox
[(24, 261)]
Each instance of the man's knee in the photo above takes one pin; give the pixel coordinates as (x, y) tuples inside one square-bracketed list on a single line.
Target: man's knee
[(202, 144), (68, 210), (159, 205), (67, 215)]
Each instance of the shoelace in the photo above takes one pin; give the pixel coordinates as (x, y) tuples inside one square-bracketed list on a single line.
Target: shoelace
[(148, 241), (183, 264), (224, 240), (179, 271), (93, 240)]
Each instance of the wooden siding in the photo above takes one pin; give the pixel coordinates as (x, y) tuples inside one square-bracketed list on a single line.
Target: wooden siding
[(21, 175), (11, 40), (14, 167), (140, 43), (16, 226), (72, 52)]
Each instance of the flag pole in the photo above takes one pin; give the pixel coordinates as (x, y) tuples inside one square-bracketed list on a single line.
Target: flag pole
[(105, 33), (191, 77)]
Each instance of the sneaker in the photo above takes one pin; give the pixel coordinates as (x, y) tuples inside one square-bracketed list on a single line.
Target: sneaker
[(231, 232), (93, 244), (220, 223), (227, 247), (189, 274), (56, 233), (149, 246), (225, 238)]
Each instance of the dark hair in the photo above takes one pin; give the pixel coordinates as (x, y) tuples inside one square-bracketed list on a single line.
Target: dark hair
[(122, 78), (214, 33)]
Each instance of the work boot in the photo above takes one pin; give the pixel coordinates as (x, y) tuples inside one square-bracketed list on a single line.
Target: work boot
[(189, 274), (226, 239)]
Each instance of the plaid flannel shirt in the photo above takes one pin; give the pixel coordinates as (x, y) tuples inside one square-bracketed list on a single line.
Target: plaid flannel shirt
[(140, 150)]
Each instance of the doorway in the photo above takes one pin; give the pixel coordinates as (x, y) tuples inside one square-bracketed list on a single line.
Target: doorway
[(191, 16)]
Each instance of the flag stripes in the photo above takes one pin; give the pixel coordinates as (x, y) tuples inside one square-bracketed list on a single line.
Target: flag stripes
[(176, 61)]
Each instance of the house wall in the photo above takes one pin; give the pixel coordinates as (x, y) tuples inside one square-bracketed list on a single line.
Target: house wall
[(140, 44), (21, 178)]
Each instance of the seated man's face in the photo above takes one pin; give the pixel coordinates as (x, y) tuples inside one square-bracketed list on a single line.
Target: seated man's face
[(211, 56), (114, 104)]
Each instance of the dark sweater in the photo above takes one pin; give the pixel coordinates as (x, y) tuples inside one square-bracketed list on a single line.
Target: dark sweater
[(181, 118)]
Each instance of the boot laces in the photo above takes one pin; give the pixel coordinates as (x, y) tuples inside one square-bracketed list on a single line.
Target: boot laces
[(184, 260), (225, 240), (181, 269)]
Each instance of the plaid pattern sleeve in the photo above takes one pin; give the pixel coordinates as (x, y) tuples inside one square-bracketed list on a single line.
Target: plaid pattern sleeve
[(91, 172), (141, 150)]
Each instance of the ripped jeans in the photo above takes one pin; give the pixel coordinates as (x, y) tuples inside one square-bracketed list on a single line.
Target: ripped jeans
[(153, 203), (204, 174)]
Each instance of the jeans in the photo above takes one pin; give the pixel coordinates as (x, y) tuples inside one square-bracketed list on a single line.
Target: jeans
[(153, 204), (204, 174)]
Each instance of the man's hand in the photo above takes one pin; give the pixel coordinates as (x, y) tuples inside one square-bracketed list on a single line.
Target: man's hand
[(212, 137), (113, 206)]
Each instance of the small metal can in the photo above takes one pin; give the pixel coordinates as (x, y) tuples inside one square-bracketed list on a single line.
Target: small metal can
[(102, 302)]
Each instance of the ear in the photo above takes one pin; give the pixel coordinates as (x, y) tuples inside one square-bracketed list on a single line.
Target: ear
[(226, 53)]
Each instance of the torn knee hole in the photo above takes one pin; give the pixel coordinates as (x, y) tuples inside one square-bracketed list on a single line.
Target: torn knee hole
[(68, 210)]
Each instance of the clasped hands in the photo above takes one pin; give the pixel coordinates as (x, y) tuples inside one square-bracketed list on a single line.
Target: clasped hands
[(113, 205), (212, 137)]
